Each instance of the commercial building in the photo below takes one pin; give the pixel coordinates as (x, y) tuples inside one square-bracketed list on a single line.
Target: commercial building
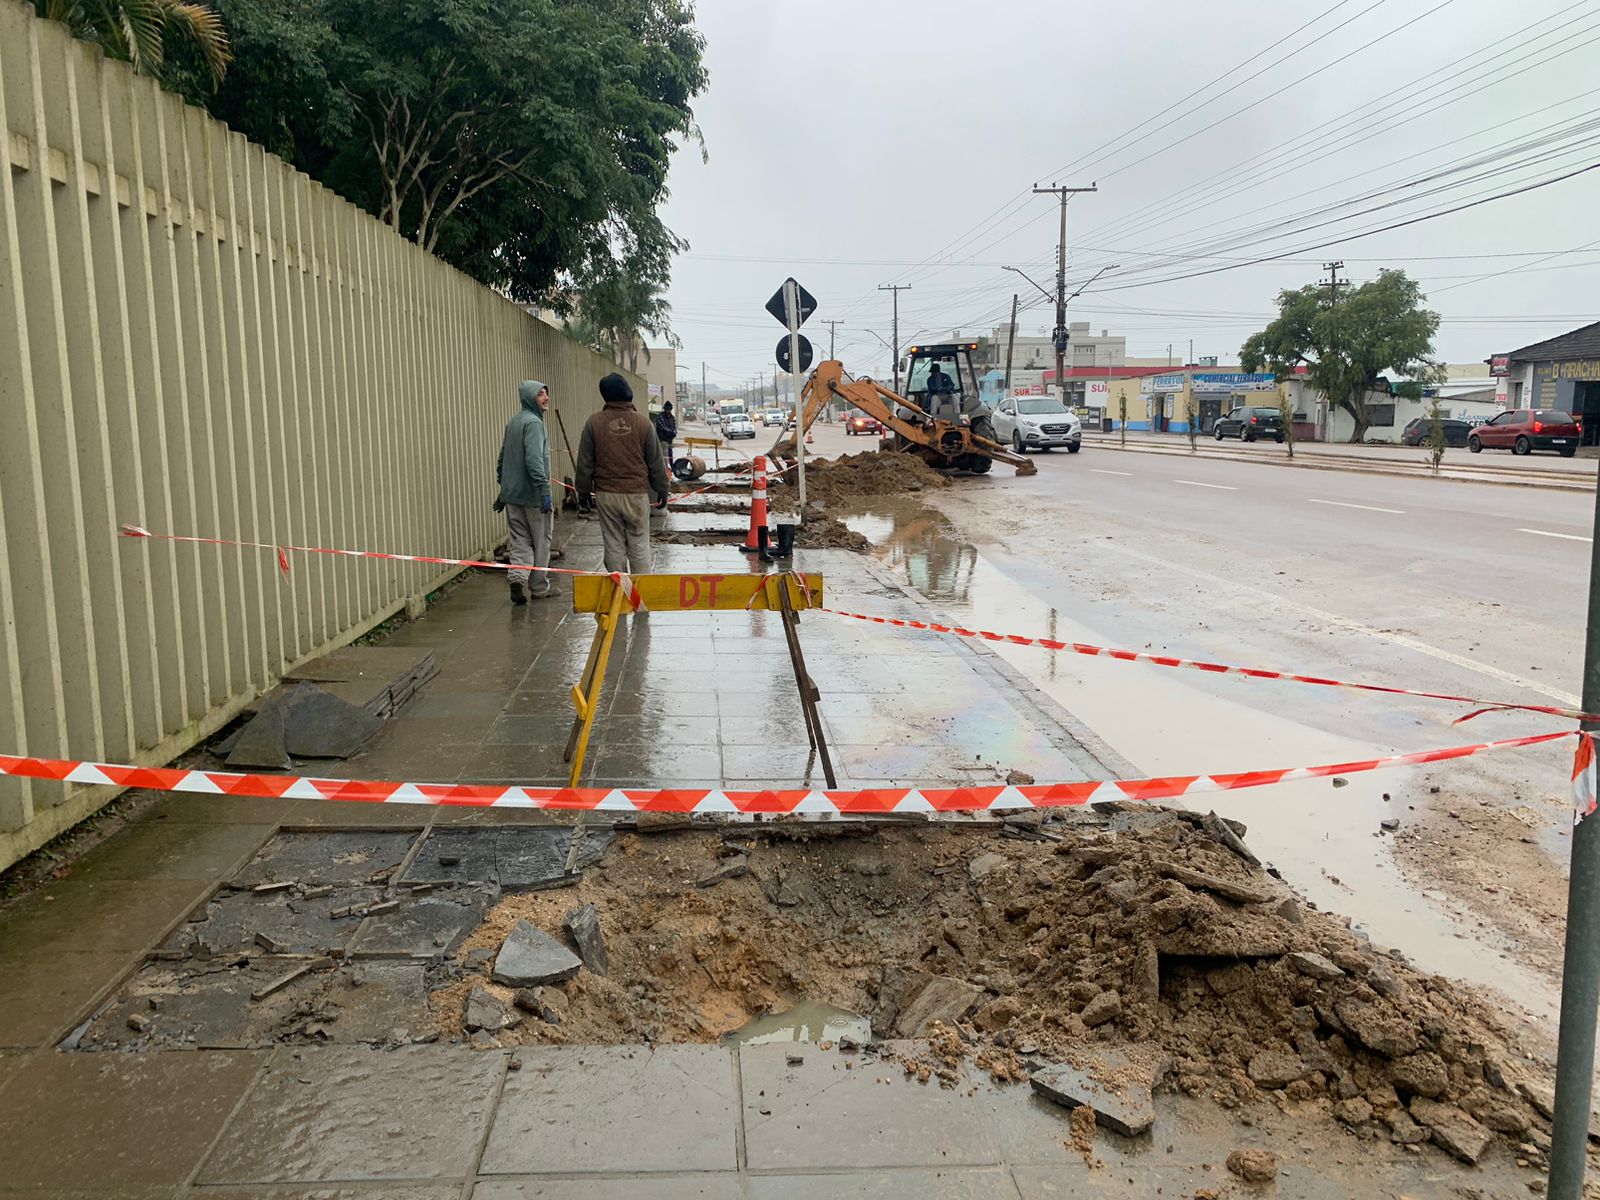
[(1558, 373), (1034, 355)]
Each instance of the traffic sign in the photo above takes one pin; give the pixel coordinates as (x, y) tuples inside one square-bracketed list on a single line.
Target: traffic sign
[(780, 311), (783, 352)]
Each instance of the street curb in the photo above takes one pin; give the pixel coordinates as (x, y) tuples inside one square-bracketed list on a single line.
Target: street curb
[(1028, 695), (1422, 473)]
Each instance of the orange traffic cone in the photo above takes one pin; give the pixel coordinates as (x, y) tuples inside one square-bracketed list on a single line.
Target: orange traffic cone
[(756, 541)]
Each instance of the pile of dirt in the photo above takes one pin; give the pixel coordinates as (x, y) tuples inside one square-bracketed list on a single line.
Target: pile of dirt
[(852, 477), (1028, 944)]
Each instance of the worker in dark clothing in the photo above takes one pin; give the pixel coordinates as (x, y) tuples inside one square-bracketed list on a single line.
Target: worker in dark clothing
[(939, 384), (666, 431), (620, 462)]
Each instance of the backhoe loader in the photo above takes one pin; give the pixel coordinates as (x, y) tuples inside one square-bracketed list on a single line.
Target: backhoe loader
[(944, 424)]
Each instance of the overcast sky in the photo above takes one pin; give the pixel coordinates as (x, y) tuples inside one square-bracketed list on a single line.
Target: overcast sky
[(869, 142)]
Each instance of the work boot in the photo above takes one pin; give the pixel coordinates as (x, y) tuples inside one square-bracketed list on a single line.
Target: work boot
[(763, 543), (785, 547), (519, 594)]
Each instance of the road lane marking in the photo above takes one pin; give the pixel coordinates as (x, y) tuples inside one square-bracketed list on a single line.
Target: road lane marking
[(1399, 512), (1221, 487), (1571, 537), (1103, 471)]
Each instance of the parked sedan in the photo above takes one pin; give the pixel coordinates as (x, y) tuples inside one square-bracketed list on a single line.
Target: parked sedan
[(1420, 432), (1248, 424), (1524, 430), (861, 423), (1037, 423)]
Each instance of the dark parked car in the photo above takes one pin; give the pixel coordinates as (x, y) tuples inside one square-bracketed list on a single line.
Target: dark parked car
[(1524, 430), (1420, 432), (1248, 424)]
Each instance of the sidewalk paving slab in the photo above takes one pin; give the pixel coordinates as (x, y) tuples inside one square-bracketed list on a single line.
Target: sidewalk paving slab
[(346, 1113), (85, 915), (116, 1121), (981, 1183), (819, 1114), (174, 851), (43, 991), (618, 1187), (561, 1113)]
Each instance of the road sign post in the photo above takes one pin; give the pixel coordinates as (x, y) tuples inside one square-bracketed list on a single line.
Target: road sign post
[(791, 305)]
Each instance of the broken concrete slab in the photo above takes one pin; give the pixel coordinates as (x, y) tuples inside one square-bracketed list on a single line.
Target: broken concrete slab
[(236, 922), (1229, 834), (1115, 1084), (941, 998), (529, 956), (1239, 893), (260, 744), (487, 1012), (426, 926), (582, 925), (1453, 1130), (1314, 966), (320, 856), (549, 1004), (318, 724)]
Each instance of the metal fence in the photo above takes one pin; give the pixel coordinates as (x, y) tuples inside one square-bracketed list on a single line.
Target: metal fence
[(196, 338)]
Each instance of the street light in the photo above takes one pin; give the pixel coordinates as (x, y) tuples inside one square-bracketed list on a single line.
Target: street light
[(1030, 279), (1092, 278)]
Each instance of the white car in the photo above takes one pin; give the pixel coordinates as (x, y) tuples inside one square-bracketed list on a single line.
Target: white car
[(1037, 423), (739, 427)]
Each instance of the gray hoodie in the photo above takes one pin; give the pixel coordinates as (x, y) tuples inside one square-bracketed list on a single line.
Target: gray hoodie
[(524, 467)]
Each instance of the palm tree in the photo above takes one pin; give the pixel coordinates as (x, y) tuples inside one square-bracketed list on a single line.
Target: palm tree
[(137, 31)]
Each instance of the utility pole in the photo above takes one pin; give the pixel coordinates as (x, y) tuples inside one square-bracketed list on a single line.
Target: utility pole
[(1580, 969), (1333, 282), (832, 325), (1191, 353), (1011, 341), (1060, 337), (896, 288), (702, 390)]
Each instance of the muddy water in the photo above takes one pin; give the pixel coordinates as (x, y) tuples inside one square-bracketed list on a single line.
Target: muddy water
[(808, 1021), (1323, 838)]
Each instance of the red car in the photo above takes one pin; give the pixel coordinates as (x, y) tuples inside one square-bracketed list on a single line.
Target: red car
[(861, 423), (1524, 430)]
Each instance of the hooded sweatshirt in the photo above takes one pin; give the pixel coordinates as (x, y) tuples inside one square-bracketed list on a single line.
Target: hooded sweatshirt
[(619, 451), (524, 468)]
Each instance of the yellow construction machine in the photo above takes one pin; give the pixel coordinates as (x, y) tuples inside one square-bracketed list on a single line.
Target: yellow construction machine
[(941, 420)]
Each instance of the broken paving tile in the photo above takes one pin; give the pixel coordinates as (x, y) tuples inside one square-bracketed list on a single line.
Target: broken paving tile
[(530, 956), (582, 925), (260, 742), (318, 724), (1123, 1104), (425, 926), (488, 1012), (317, 856), (941, 998), (372, 999), (455, 856), (533, 856)]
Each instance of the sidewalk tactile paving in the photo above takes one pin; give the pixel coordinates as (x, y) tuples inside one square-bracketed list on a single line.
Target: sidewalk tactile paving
[(562, 1112), (120, 1121), (348, 1114), (820, 1115)]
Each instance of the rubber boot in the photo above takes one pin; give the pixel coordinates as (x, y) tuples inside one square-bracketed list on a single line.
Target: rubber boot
[(764, 548), (785, 547)]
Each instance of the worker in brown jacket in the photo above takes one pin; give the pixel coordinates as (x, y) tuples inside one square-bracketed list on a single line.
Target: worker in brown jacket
[(620, 462)]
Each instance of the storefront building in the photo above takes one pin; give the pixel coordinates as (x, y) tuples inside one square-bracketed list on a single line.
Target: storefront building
[(1558, 373)]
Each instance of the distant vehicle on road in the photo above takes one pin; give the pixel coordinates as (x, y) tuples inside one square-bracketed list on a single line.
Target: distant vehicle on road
[(1247, 424), (771, 416), (739, 426), (1037, 423), (861, 423), (1524, 430), (713, 417), (1420, 432)]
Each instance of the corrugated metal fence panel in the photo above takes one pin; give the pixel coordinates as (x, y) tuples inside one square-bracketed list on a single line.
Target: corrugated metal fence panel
[(196, 338)]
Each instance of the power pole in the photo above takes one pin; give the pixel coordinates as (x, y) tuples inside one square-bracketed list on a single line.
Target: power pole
[(1333, 282), (1011, 341), (702, 391), (1060, 337), (832, 325), (1580, 971), (896, 288)]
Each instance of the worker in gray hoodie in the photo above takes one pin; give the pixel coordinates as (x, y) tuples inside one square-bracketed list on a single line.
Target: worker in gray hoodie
[(524, 475)]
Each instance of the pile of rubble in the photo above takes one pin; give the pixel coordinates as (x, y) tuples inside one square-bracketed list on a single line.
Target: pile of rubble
[(852, 477), (1103, 954)]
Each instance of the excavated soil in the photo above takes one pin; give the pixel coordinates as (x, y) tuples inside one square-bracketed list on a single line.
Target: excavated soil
[(1025, 944), (852, 477)]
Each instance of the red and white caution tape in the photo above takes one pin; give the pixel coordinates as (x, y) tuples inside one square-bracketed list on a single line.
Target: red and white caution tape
[(799, 801), (621, 580), (1585, 795), (1189, 664)]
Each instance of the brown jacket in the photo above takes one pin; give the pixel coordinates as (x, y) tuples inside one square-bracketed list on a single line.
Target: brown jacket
[(619, 452)]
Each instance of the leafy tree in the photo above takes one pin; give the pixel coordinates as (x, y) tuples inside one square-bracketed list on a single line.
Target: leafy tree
[(1346, 346), (525, 141), (139, 31)]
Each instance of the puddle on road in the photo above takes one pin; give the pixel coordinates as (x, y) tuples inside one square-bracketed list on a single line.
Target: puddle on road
[(808, 1021), (1322, 838)]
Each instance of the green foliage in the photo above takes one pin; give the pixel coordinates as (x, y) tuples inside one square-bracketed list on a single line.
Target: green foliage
[(1379, 326), (525, 141), (141, 32)]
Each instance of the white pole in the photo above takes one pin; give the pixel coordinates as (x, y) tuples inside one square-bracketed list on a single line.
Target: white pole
[(791, 303)]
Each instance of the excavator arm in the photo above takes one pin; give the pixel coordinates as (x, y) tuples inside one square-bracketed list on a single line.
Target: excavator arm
[(943, 438)]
